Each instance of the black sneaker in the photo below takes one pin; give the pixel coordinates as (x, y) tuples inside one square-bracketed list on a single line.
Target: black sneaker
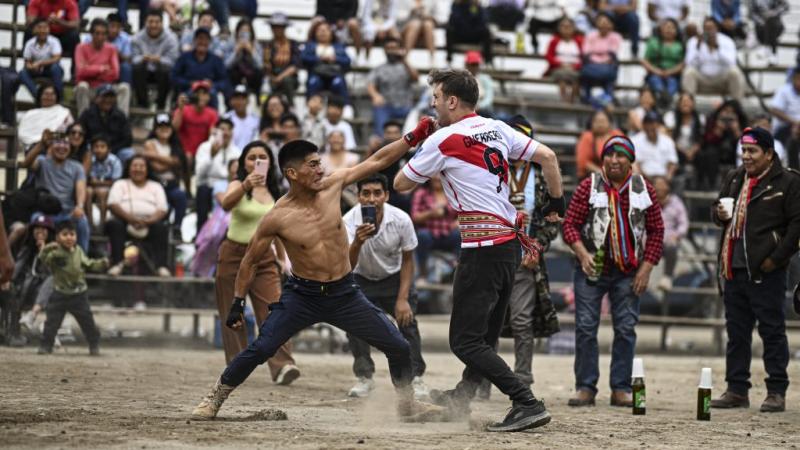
[(457, 404), (44, 350), (522, 417), (94, 350)]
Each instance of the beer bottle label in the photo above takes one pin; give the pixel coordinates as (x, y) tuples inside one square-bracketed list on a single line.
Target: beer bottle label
[(706, 404), (639, 399)]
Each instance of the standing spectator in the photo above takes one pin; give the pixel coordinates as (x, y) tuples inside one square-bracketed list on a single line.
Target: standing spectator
[(647, 103), (660, 10), (106, 169), (48, 114), (626, 20), (600, 64), (97, 64), (244, 57), (420, 22), (194, 121), (139, 207), (436, 222), (472, 62), (727, 14), (589, 149), (333, 122), (389, 86), (378, 23), (785, 107), (685, 125), (211, 165), (655, 151), (200, 64), (547, 17), (628, 232), (104, 117), (282, 59), (564, 58), (468, 24), (711, 64), (663, 61), (42, 54), (758, 240), (63, 18), (69, 264), (326, 62), (245, 124), (121, 40), (382, 257), (222, 10), (766, 15), (168, 161), (155, 50), (676, 226), (312, 124), (723, 129)]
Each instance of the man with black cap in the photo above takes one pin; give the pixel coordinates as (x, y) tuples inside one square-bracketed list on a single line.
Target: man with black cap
[(245, 124), (610, 215), (655, 151), (759, 211), (201, 64)]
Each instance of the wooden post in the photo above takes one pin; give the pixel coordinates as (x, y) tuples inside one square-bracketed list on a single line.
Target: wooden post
[(167, 320), (195, 325)]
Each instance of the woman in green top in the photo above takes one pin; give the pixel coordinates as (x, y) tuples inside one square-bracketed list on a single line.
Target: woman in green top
[(663, 60), (248, 198)]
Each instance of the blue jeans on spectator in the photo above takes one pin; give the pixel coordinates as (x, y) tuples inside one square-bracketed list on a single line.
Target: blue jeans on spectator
[(426, 242), (8, 89), (53, 72), (126, 73), (628, 25), (603, 75), (385, 113), (624, 316), (81, 226), (176, 198), (659, 85), (747, 303), (222, 9), (124, 154), (336, 85)]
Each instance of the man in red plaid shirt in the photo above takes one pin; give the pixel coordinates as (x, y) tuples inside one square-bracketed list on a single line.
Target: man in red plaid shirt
[(606, 223)]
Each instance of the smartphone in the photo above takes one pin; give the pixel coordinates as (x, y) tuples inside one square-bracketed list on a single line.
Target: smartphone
[(261, 167), (369, 214)]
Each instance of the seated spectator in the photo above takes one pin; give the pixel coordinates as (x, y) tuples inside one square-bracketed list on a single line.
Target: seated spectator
[(420, 21), (766, 15), (222, 10), (204, 20), (600, 63), (63, 177), (178, 18), (647, 103), (96, 65), (588, 150), (685, 125), (341, 15), (200, 64), (326, 62), (765, 121), (660, 10), (213, 157), (244, 57), (727, 14), (333, 122), (564, 58), (193, 121), (390, 84), (468, 24), (271, 112), (104, 117), (282, 59), (245, 124), (785, 107), (626, 20), (79, 146), (313, 125), (168, 163), (436, 223), (122, 42), (655, 151), (711, 64), (546, 17), (485, 106), (336, 157), (48, 114), (155, 50), (106, 169), (139, 207), (585, 18), (723, 129), (676, 226), (63, 18), (9, 83), (663, 60), (378, 23), (42, 54)]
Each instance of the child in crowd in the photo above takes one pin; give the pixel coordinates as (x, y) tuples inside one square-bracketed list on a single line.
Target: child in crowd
[(32, 280), (68, 264), (105, 170)]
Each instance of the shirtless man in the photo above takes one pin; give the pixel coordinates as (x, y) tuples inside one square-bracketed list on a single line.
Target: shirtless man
[(321, 288)]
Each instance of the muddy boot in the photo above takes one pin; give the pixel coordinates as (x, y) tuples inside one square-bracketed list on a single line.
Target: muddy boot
[(730, 399), (209, 407), (411, 410), (621, 398), (774, 403), (583, 397)]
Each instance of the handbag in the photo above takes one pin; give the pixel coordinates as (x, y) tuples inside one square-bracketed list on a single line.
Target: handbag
[(328, 70), (136, 233)]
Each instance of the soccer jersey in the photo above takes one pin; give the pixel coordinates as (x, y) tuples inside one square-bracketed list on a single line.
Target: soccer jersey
[(472, 157)]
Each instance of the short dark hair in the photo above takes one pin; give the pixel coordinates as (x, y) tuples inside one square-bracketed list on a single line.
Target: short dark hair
[(392, 123), (295, 151), (114, 17), (336, 100), (97, 23), (206, 12), (37, 21), (100, 137), (46, 84), (289, 117), (225, 120), (67, 224), (456, 82), (155, 12), (377, 178)]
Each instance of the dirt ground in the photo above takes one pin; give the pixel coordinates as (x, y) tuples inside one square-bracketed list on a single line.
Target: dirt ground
[(141, 398)]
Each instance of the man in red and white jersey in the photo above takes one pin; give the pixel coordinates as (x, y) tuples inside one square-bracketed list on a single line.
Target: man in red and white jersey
[(471, 155)]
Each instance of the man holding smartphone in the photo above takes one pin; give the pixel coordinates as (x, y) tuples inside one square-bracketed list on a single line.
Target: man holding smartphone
[(383, 240)]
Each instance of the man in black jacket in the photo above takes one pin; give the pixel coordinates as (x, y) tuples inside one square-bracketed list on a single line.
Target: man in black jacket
[(759, 210), (104, 117)]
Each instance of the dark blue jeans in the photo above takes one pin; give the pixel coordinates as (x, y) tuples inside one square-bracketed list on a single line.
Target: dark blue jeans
[(624, 316), (385, 113), (450, 242), (628, 25), (339, 303), (748, 302), (603, 75), (177, 201), (54, 72), (336, 86), (222, 9), (668, 85)]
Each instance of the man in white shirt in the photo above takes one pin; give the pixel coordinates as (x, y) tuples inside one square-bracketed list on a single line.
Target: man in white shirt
[(211, 165), (382, 257), (245, 124), (655, 152), (334, 122), (711, 64), (785, 108), (471, 154)]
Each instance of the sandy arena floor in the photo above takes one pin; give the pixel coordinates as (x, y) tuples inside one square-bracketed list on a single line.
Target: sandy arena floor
[(140, 398)]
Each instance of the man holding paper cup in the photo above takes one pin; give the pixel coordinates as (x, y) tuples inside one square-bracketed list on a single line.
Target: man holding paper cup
[(759, 211)]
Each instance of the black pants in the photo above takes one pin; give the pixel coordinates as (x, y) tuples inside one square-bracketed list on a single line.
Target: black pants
[(253, 80), (202, 204), (8, 89), (155, 243), (769, 33), (339, 303), (75, 304), (746, 303), (536, 26), (458, 35), (142, 78), (481, 291), (383, 293)]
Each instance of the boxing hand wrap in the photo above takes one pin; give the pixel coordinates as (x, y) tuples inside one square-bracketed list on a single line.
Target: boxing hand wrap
[(425, 128), (556, 205), (236, 313)]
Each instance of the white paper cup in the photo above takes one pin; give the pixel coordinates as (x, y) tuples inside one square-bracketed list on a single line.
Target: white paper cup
[(727, 205), (705, 378), (638, 368)]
